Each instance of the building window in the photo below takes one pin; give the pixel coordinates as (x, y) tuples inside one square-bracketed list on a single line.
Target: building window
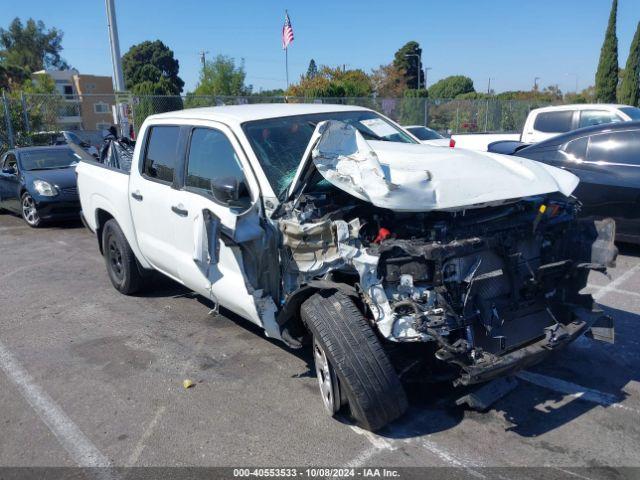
[(68, 92), (101, 107), (102, 126), (91, 87)]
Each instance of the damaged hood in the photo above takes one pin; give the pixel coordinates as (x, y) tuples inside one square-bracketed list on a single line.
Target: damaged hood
[(418, 178)]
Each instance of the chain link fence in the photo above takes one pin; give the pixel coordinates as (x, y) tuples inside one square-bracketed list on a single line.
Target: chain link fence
[(25, 119)]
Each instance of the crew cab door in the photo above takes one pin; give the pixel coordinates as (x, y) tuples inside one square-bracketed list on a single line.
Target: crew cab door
[(221, 239), (152, 187), (549, 124)]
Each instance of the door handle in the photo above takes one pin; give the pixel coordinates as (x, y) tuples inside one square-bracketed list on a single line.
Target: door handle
[(137, 196), (179, 211)]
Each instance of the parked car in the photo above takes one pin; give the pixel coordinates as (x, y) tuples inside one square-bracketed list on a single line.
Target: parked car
[(606, 158), (544, 123), (428, 136), (39, 183), (330, 226)]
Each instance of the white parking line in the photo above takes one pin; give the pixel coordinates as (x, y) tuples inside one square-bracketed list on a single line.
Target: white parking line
[(77, 445), (611, 286), (137, 451), (620, 291), (574, 390)]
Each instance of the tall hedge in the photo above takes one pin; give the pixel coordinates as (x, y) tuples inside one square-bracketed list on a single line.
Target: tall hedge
[(607, 73), (630, 88)]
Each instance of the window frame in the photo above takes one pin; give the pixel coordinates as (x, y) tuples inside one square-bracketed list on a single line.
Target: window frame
[(185, 170), (106, 105), (179, 156)]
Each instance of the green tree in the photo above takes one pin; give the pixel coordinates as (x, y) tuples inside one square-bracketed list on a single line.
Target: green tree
[(222, 77), (607, 73), (451, 87), (630, 88), (152, 63), (333, 82), (408, 60), (312, 71), (27, 48)]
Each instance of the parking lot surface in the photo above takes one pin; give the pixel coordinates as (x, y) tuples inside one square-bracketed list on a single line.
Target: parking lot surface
[(92, 378)]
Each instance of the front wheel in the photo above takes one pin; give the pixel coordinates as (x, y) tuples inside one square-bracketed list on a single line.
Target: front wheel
[(121, 262), (30, 211), (351, 363)]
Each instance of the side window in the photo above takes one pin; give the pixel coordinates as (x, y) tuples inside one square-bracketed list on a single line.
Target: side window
[(11, 162), (615, 147), (575, 150), (554, 122), (161, 155), (597, 117), (212, 163)]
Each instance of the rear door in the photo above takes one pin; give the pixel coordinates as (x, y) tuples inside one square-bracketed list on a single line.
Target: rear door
[(152, 189), (550, 124)]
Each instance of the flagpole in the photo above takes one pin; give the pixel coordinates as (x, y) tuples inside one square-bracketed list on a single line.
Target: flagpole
[(286, 64)]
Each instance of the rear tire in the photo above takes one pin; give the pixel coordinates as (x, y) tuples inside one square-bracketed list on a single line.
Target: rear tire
[(364, 373), (121, 262)]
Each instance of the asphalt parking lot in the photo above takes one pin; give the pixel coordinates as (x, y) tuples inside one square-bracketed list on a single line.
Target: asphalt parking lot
[(89, 377)]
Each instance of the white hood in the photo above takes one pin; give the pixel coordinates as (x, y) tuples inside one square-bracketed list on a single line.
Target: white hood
[(418, 178)]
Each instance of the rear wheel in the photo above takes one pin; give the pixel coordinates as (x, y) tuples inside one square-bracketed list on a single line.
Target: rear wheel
[(30, 211), (122, 265), (351, 364)]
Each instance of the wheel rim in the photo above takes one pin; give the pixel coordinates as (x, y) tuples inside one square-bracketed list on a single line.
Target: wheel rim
[(115, 258), (327, 380), (29, 211)]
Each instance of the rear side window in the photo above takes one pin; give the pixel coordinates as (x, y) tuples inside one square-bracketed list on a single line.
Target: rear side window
[(615, 147), (576, 150), (597, 117), (554, 122), (211, 156), (162, 153)]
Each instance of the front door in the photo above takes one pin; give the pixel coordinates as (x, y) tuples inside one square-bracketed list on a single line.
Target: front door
[(151, 193), (221, 242)]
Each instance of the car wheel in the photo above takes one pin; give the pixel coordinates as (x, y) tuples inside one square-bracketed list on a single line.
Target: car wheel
[(30, 211), (351, 363), (122, 265)]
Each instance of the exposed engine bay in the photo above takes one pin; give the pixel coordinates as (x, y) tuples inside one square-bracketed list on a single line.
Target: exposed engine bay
[(493, 288)]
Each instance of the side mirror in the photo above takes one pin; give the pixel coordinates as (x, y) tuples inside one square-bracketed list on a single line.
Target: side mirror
[(230, 191)]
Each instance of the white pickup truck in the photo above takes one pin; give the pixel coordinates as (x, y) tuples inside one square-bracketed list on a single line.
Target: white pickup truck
[(330, 226), (547, 122)]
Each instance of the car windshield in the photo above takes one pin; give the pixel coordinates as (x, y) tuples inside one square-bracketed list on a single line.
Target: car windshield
[(279, 143), (47, 159), (632, 112), (424, 133)]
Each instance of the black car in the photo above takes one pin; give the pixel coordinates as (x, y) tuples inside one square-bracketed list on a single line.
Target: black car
[(607, 160), (39, 183)]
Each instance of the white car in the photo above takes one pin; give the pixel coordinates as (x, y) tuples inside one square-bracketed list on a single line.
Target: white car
[(547, 122), (428, 136), (330, 226)]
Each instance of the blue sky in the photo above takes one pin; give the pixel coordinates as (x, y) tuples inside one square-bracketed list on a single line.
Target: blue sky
[(511, 41)]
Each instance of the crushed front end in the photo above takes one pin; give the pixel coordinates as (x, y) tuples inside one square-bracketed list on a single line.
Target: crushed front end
[(492, 289)]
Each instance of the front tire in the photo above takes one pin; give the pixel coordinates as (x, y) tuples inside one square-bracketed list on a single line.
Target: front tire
[(30, 211), (121, 262), (363, 373)]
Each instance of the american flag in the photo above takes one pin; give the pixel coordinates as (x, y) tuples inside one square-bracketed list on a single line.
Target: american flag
[(287, 32)]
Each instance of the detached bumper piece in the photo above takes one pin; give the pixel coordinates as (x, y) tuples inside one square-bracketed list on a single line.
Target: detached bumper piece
[(557, 336)]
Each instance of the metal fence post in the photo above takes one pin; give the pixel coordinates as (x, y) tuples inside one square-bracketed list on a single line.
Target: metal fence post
[(25, 113), (426, 112), (7, 118)]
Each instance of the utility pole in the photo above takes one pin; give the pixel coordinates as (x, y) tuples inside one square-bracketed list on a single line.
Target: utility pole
[(203, 58), (115, 46), (426, 73), (116, 59), (535, 83)]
